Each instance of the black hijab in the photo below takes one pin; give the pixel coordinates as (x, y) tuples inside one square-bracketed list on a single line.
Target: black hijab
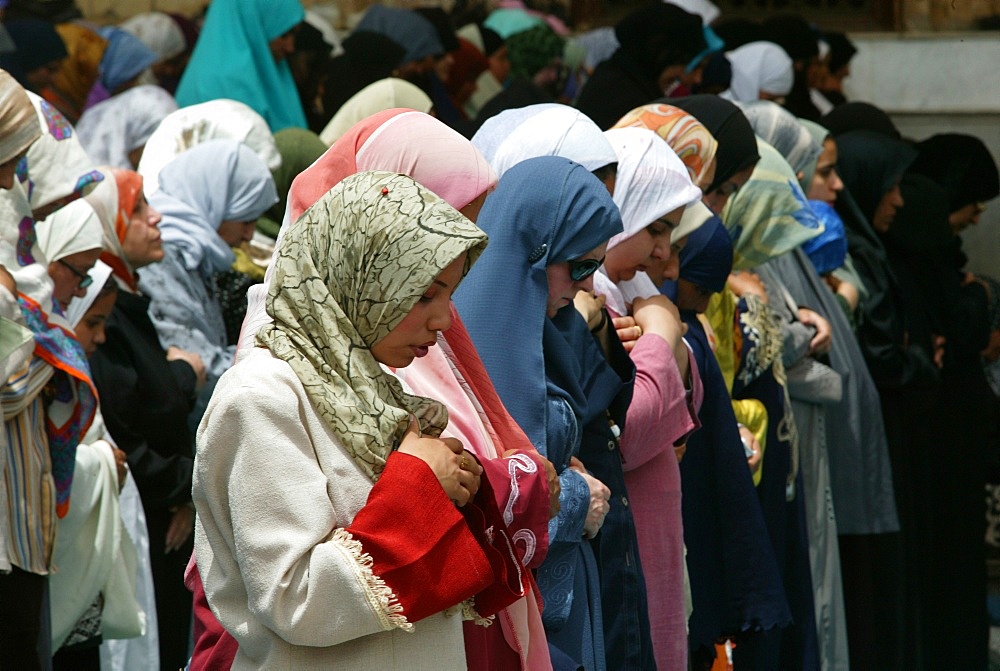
[(894, 334), (730, 128), (961, 165), (870, 164), (859, 116), (37, 43), (367, 58), (660, 35)]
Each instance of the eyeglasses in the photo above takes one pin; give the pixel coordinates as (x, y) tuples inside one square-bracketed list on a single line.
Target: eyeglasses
[(85, 280), (581, 269)]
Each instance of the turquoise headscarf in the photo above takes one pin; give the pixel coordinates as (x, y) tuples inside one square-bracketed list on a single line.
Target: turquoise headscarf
[(232, 59), (769, 216)]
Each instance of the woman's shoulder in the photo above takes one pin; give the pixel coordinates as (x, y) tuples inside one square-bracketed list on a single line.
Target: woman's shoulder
[(260, 371)]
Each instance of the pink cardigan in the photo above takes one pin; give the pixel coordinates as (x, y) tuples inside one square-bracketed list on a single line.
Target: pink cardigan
[(659, 416)]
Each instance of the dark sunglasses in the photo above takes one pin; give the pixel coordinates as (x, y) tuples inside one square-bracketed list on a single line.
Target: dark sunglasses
[(85, 280), (581, 269)]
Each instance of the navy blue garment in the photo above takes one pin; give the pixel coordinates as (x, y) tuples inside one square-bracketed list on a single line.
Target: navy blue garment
[(609, 383), (797, 645), (546, 211), (735, 582)]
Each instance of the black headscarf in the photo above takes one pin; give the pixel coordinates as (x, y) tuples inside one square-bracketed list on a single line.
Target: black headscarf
[(367, 58), (894, 336), (660, 35), (794, 35), (859, 116), (870, 165), (842, 50), (730, 128), (737, 32), (442, 24), (961, 165), (38, 44)]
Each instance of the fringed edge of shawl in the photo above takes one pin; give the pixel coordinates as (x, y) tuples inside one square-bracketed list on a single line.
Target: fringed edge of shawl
[(468, 611), (381, 597)]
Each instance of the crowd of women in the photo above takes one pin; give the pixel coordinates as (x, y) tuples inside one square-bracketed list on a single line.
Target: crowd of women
[(460, 342)]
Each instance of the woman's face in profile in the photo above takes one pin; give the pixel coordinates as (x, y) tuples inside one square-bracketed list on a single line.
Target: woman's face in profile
[(417, 333), (562, 286)]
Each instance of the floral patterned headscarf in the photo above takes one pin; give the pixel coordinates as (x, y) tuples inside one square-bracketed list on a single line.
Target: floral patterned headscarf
[(689, 139), (368, 251)]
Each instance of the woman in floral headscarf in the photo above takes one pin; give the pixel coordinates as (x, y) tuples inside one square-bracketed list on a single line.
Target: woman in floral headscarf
[(416, 144), (344, 496)]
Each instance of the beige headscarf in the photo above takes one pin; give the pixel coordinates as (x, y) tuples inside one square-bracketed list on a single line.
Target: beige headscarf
[(18, 128), (376, 97), (345, 275)]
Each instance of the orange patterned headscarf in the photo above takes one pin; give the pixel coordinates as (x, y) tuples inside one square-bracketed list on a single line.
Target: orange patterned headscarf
[(114, 201), (689, 139)]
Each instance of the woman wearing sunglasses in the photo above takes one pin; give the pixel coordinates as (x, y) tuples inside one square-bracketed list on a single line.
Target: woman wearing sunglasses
[(549, 221)]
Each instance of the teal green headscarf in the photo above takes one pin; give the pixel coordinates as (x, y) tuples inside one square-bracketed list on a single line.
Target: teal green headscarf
[(769, 216), (232, 59)]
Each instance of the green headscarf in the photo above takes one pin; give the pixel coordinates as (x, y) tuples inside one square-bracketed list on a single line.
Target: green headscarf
[(769, 216), (346, 274), (532, 50), (299, 148)]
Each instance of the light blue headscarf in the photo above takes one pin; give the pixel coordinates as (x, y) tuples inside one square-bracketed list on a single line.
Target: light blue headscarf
[(124, 59), (216, 181), (232, 59), (545, 210)]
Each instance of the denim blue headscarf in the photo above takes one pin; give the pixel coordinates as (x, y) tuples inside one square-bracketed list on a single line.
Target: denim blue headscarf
[(232, 59), (545, 210), (828, 250), (125, 58)]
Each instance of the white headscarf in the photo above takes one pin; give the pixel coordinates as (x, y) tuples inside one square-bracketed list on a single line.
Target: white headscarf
[(78, 306), (58, 171), (59, 166), (213, 120), (385, 94), (157, 31), (652, 182), (547, 129), (70, 230), (759, 66), (112, 128)]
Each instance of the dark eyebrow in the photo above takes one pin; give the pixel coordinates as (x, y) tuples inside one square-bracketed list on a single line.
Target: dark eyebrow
[(440, 283)]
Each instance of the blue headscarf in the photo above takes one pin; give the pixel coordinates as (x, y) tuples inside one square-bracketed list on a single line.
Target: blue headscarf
[(828, 250), (232, 59), (707, 259), (406, 28), (545, 210), (125, 58)]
